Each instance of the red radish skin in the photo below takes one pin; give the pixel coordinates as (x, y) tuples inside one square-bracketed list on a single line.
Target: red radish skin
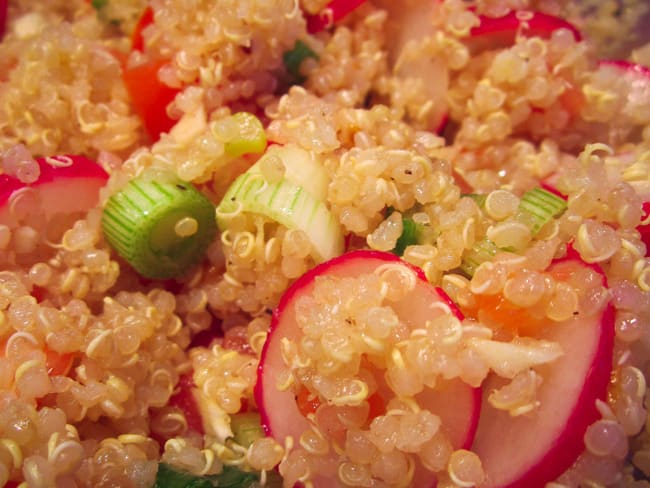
[(529, 451), (332, 13), (279, 412), (66, 184), (644, 228), (498, 32), (629, 67)]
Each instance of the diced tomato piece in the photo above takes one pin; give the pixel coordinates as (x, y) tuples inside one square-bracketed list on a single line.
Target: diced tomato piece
[(377, 406), (58, 364), (502, 31), (146, 19), (307, 402), (150, 96), (335, 11), (496, 311), (184, 400)]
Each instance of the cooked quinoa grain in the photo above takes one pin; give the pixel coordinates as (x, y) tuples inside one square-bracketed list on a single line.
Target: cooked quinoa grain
[(420, 208)]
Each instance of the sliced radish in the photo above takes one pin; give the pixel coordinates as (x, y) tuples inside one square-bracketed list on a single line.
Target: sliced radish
[(408, 26), (535, 448), (456, 403), (66, 184), (498, 32), (333, 12), (644, 227), (633, 80), (635, 70)]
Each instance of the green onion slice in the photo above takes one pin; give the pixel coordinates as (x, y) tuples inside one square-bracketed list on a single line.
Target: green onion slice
[(538, 207), (245, 133), (160, 228), (294, 57), (246, 427), (482, 251), (288, 204), (302, 168), (410, 236), (230, 477)]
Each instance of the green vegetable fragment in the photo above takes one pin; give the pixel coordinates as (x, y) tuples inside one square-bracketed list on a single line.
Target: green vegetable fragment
[(482, 251), (161, 228), (288, 204), (99, 4), (249, 138), (409, 236), (246, 428), (230, 477), (538, 207), (293, 59), (479, 198)]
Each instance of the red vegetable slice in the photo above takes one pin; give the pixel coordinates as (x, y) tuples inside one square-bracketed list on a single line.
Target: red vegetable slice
[(66, 184), (150, 96), (4, 7), (185, 400), (638, 71), (146, 19), (497, 32), (406, 29), (533, 449), (282, 412), (644, 228), (335, 11)]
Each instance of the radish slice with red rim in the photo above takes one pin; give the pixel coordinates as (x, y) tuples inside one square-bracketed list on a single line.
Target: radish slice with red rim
[(66, 184), (456, 403), (535, 448), (407, 28)]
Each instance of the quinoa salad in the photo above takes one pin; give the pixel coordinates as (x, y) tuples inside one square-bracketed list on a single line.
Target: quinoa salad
[(324, 243)]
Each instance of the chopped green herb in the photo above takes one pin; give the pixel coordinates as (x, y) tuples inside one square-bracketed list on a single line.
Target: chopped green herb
[(482, 251), (99, 4), (230, 477), (293, 59), (410, 234), (246, 428), (479, 198), (160, 228), (538, 207)]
